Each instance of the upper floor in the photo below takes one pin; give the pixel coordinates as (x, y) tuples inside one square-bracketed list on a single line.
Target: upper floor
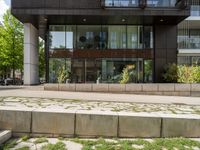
[(71, 4), (42, 13)]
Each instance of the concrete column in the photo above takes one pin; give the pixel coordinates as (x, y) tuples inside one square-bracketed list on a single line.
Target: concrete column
[(31, 58)]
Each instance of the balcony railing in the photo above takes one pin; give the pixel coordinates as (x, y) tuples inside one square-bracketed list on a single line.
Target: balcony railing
[(146, 3)]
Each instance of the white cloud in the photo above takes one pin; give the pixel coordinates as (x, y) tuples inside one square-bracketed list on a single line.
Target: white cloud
[(3, 8)]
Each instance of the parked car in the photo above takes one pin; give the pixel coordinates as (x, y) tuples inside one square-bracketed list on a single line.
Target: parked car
[(1, 82), (9, 81)]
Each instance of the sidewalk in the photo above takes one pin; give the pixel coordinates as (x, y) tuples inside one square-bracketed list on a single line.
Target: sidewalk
[(37, 91)]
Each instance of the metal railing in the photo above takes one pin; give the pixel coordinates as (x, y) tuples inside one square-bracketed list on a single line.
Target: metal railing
[(182, 4)]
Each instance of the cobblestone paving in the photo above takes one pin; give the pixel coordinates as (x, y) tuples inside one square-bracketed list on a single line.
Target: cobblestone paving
[(65, 104)]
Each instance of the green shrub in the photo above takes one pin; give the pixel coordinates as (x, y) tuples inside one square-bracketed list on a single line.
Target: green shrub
[(170, 73), (62, 75), (182, 74), (125, 76), (128, 75)]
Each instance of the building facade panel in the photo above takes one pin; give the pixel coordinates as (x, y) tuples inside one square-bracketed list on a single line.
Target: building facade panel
[(104, 40)]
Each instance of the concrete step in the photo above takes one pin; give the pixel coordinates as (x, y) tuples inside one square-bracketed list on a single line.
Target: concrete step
[(5, 135)]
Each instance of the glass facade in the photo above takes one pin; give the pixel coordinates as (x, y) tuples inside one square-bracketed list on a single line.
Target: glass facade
[(189, 39), (189, 60), (135, 3), (91, 53), (121, 3), (161, 3)]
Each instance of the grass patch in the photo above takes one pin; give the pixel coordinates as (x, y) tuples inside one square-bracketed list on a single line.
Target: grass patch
[(25, 138), (23, 148), (41, 140), (57, 146), (10, 144), (156, 144)]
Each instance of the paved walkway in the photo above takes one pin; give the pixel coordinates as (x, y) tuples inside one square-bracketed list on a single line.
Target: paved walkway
[(37, 91)]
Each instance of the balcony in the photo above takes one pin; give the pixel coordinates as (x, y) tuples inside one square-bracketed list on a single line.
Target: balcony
[(145, 3)]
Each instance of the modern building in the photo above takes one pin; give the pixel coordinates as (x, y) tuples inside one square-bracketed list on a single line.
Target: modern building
[(189, 37), (96, 39)]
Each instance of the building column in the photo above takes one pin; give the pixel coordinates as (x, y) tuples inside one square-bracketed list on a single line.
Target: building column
[(165, 49), (31, 57)]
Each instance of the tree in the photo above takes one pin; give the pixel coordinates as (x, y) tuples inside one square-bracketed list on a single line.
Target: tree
[(11, 44), (41, 59)]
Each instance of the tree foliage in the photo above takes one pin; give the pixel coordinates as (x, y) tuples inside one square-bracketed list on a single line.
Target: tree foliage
[(11, 44)]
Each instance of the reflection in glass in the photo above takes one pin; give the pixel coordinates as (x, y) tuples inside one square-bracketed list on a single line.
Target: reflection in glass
[(121, 3), (189, 39), (189, 60), (70, 37), (57, 37), (112, 70), (134, 34), (195, 10), (88, 37), (116, 36), (161, 3), (55, 65), (148, 71), (148, 37)]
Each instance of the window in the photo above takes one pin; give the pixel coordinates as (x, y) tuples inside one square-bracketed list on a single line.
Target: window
[(56, 65), (57, 37), (161, 3), (70, 37), (88, 37), (121, 3), (116, 36), (134, 34), (195, 10), (148, 37)]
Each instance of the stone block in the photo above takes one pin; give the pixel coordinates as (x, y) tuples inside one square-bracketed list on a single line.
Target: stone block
[(166, 87), (195, 88), (150, 87), (53, 121), (67, 87), (133, 88), (139, 126), (96, 124), (181, 127), (84, 87), (4, 136), (15, 120), (116, 87), (195, 94), (51, 87), (100, 87), (182, 87)]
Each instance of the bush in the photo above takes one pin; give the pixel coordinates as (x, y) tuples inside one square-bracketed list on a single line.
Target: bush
[(128, 75), (182, 74), (188, 74), (170, 73)]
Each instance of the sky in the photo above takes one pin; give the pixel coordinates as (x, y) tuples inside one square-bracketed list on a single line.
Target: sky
[(4, 5)]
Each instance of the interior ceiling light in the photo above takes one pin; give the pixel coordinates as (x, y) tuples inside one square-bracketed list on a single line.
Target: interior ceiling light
[(123, 20), (84, 20), (161, 20)]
